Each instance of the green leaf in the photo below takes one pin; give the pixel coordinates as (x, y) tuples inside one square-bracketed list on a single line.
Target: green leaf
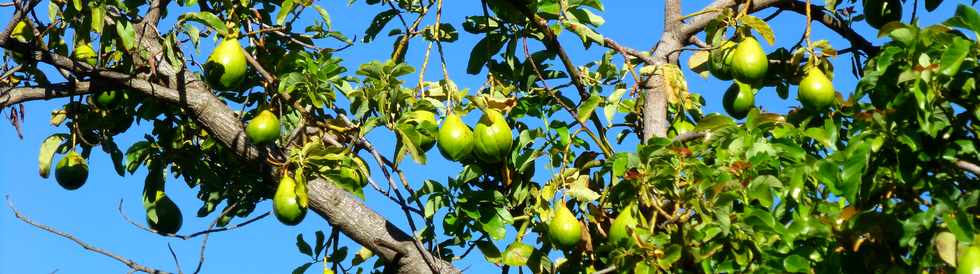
[(48, 147), (483, 51), (324, 15), (378, 24), (517, 254), (493, 225), (586, 16), (362, 255), (612, 104), (759, 26), (302, 268), (208, 19), (584, 32), (579, 189), (98, 18), (585, 110), (110, 147), (126, 34), (319, 246), (303, 246), (286, 8), (671, 255), (77, 4), (953, 56), (796, 264), (489, 250), (137, 154), (966, 17)]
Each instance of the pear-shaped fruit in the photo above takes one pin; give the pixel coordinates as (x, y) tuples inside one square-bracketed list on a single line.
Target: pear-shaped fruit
[(264, 128), (739, 99), (720, 61), (426, 139), (72, 171), (225, 68), (455, 138), (816, 91), (163, 215), (84, 53), (880, 12), (107, 98), (619, 230), (969, 260), (492, 137), (564, 230), (289, 203), (749, 61)]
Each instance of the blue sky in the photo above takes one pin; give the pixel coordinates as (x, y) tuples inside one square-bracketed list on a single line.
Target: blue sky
[(268, 246)]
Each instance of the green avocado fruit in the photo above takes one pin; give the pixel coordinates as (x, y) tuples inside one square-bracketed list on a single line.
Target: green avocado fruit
[(264, 128), (749, 61), (619, 230), (969, 261), (225, 68), (72, 171), (290, 201), (816, 91), (739, 99), (168, 218), (564, 229), (107, 98), (455, 138), (492, 137), (720, 61)]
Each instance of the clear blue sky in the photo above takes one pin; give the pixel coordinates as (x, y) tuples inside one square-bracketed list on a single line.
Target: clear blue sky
[(268, 246)]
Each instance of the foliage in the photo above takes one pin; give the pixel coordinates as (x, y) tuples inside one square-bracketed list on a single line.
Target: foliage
[(867, 182)]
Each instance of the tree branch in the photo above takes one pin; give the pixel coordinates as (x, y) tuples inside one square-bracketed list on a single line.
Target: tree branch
[(134, 266), (968, 166), (833, 23), (10, 96)]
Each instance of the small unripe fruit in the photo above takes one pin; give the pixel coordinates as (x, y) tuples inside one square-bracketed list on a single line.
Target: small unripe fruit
[(816, 91), (455, 138), (564, 229), (72, 171), (749, 63), (264, 128), (225, 68), (492, 137), (290, 201)]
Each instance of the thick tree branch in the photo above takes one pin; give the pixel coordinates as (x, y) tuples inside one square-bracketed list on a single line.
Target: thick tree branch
[(968, 166), (134, 266), (10, 96)]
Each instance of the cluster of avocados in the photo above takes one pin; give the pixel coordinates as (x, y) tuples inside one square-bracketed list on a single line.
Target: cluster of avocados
[(489, 141), (747, 64)]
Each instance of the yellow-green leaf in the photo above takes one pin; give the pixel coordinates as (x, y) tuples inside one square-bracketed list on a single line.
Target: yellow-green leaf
[(48, 147), (759, 26)]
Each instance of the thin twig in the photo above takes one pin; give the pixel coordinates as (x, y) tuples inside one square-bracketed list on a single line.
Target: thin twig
[(174, 255), (192, 235), (130, 263)]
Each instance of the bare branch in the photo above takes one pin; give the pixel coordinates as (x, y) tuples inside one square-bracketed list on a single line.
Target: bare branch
[(192, 235), (833, 23), (174, 255), (10, 96), (968, 166), (130, 263)]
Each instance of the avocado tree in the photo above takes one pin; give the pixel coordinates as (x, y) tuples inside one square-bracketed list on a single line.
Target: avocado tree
[(881, 177)]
